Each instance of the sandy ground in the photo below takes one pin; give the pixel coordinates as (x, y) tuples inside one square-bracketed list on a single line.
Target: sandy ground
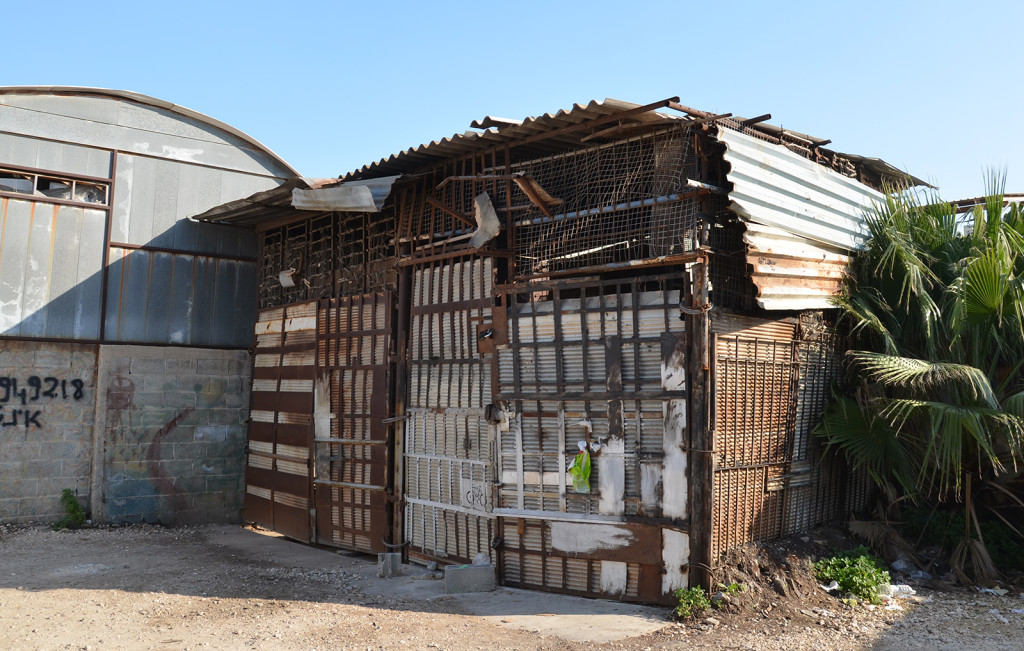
[(230, 588)]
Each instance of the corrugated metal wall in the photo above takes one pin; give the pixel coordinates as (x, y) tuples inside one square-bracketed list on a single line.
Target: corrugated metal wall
[(51, 261)]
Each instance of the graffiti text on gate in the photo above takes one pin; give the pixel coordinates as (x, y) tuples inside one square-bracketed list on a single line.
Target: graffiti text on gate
[(34, 390)]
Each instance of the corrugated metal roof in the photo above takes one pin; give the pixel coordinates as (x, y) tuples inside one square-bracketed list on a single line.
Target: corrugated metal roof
[(777, 187), (545, 130), (269, 205)]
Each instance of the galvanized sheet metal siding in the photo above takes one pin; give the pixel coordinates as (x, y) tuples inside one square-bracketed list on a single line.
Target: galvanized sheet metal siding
[(153, 199), (77, 160), (774, 186), (50, 269), (116, 123)]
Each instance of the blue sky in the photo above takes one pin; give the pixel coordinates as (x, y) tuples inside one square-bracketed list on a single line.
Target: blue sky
[(934, 88)]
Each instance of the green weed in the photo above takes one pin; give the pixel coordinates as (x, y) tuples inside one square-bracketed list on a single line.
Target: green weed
[(856, 571), (75, 515)]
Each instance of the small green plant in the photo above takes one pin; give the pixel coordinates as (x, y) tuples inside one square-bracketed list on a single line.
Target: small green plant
[(856, 571), (75, 515), (692, 602), (732, 588)]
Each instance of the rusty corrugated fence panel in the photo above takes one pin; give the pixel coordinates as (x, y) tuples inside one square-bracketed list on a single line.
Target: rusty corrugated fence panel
[(278, 476), (353, 465)]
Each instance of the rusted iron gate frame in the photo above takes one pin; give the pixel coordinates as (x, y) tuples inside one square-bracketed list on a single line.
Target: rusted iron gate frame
[(424, 344)]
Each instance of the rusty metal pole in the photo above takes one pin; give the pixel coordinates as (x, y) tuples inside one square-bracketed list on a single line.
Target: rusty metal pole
[(702, 460)]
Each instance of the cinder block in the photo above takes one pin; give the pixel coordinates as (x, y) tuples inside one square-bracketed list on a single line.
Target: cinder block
[(144, 366), (468, 578), (389, 565)]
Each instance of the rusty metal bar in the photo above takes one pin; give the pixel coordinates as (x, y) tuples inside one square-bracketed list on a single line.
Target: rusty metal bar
[(702, 461)]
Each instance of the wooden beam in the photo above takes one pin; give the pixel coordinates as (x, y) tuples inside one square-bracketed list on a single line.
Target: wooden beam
[(450, 211)]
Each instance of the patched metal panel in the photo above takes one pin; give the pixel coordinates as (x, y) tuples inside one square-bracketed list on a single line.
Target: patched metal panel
[(602, 363), (352, 438), (777, 187), (51, 266), (278, 474), (447, 448), (590, 559)]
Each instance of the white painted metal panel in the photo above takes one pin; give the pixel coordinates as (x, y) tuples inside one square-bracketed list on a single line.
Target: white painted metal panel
[(777, 187)]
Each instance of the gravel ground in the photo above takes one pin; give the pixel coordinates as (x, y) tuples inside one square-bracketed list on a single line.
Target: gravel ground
[(146, 587)]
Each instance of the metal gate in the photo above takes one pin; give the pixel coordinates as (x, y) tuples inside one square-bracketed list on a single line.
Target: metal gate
[(599, 362), (353, 443), (447, 447), (277, 475)]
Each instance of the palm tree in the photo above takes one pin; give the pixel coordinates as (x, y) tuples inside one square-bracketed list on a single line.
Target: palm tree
[(936, 317)]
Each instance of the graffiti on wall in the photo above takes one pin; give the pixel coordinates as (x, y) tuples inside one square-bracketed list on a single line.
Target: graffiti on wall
[(31, 394)]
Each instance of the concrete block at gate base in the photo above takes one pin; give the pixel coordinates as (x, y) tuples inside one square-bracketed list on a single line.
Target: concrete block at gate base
[(389, 565), (468, 578)]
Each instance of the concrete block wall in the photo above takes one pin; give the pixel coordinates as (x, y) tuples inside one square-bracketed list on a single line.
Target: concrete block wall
[(173, 423), (47, 407)]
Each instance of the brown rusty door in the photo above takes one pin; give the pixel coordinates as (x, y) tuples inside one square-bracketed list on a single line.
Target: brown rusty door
[(277, 474), (352, 442)]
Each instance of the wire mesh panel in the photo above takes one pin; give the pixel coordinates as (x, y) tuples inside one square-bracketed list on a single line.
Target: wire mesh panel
[(629, 200), (329, 254), (353, 465), (448, 467), (600, 362), (278, 481)]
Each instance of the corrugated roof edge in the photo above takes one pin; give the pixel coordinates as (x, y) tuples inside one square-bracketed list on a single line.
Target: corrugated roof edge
[(148, 101), (495, 130)]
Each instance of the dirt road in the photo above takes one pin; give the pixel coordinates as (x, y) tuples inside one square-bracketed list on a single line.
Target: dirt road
[(227, 588)]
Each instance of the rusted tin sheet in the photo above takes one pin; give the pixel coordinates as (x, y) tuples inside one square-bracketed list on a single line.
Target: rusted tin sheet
[(278, 474), (793, 273), (618, 561)]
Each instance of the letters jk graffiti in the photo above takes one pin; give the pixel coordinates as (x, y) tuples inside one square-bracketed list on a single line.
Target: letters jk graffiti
[(30, 393)]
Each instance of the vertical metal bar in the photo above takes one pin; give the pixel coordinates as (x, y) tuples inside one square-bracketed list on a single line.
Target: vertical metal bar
[(107, 225), (702, 461)]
